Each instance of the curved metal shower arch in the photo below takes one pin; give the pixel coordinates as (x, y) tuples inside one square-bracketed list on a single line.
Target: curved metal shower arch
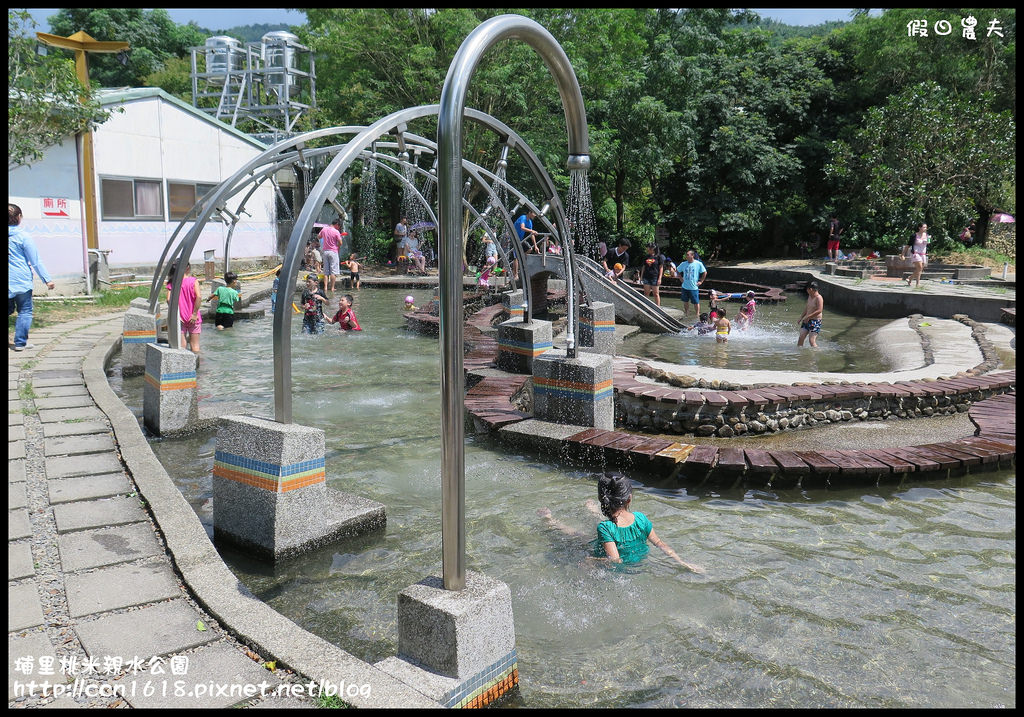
[(449, 140)]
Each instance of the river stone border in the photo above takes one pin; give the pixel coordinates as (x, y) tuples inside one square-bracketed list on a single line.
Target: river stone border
[(212, 584)]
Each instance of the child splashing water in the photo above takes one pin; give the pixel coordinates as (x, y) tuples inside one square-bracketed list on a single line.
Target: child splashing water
[(623, 536)]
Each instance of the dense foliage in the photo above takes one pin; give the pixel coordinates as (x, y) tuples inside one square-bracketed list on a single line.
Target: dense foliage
[(740, 136)]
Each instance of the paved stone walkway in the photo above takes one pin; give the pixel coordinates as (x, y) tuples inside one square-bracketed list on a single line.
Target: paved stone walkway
[(96, 607)]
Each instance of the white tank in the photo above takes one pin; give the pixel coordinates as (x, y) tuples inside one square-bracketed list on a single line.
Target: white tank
[(279, 53), (223, 56)]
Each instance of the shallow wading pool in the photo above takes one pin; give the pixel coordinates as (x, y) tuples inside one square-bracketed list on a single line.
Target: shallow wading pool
[(902, 596)]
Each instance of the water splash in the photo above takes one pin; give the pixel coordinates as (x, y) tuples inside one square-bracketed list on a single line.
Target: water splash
[(411, 205), (368, 195), (580, 214)]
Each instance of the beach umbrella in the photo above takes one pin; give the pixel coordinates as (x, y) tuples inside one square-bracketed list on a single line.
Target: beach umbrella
[(1003, 218)]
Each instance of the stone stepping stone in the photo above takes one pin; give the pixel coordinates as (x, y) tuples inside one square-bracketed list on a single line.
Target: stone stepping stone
[(69, 490), (32, 646), (71, 445), (16, 471), (156, 630), (53, 430), (219, 664), (97, 513), (16, 496), (92, 464), (18, 525), (95, 548), (104, 589), (19, 561), (55, 391), (64, 402), (50, 381), (15, 450), (23, 607), (55, 415)]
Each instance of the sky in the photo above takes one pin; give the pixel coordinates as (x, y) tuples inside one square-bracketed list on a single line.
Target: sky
[(220, 19)]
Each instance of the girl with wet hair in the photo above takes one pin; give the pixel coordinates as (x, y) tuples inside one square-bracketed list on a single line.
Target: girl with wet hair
[(623, 536)]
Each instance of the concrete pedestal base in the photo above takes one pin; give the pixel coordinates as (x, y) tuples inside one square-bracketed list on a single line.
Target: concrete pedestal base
[(457, 647), (513, 303), (577, 391), (269, 494), (169, 398), (597, 328), (139, 330), (519, 344)]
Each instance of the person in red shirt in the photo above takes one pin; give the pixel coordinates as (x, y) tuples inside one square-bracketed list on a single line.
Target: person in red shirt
[(345, 318)]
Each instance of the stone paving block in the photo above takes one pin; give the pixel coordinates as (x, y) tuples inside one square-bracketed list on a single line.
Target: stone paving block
[(55, 391), (50, 365), (54, 415), (156, 630), (284, 703), (15, 450), (78, 428), (108, 546), (18, 525), (97, 513), (16, 471), (23, 607), (34, 645), (219, 664), (91, 464), (13, 395), (56, 374), (19, 561), (72, 445), (119, 587), (68, 490), (15, 433), (16, 496), (47, 382), (16, 419), (64, 402)]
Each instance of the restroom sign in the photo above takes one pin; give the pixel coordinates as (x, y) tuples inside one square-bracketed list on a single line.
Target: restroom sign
[(56, 208)]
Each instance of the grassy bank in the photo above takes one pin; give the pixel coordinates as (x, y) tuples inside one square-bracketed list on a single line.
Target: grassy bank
[(49, 313)]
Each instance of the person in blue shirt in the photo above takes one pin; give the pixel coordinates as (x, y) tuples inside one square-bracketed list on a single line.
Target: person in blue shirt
[(22, 259), (693, 273), (526, 233)]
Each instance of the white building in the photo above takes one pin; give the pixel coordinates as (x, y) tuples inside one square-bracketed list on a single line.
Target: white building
[(152, 161)]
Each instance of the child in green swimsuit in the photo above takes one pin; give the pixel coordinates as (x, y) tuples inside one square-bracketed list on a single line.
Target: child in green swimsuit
[(623, 537)]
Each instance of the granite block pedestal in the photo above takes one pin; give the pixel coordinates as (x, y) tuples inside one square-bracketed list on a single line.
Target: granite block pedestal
[(520, 343), (139, 330), (577, 391), (513, 303), (456, 646), (269, 492), (169, 398), (597, 328)]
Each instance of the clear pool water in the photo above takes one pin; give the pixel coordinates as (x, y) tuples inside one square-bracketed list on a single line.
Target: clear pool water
[(902, 596)]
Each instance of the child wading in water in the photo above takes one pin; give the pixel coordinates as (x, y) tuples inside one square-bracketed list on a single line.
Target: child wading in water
[(313, 307), (623, 536), (345, 318), (722, 329), (226, 297), (353, 267), (745, 319)]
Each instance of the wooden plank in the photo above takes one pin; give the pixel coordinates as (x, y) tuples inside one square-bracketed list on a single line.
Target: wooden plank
[(753, 397), (713, 398), (987, 455), (847, 464), (734, 399), (732, 460), (789, 462), (872, 465), (651, 446), (923, 464), (693, 398), (945, 462), (896, 465), (702, 456), (759, 461), (674, 396), (585, 435), (625, 443), (817, 463), (965, 459), (603, 440)]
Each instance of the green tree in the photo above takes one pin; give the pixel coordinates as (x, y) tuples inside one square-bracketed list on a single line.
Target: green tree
[(927, 156), (46, 102), (154, 39)]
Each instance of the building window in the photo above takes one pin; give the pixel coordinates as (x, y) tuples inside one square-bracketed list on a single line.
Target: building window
[(132, 199), (182, 196)]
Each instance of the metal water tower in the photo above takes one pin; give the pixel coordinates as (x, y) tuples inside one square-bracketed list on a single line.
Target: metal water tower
[(272, 82)]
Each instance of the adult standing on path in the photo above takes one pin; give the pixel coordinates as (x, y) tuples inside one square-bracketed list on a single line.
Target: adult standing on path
[(330, 238), (919, 252), (693, 273), (834, 231), (652, 272), (401, 232), (810, 320), (22, 259)]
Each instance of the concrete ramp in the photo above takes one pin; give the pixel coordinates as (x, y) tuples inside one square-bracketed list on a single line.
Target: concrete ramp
[(631, 306)]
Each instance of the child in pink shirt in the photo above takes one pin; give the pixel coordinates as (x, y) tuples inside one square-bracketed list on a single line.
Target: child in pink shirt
[(188, 305)]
